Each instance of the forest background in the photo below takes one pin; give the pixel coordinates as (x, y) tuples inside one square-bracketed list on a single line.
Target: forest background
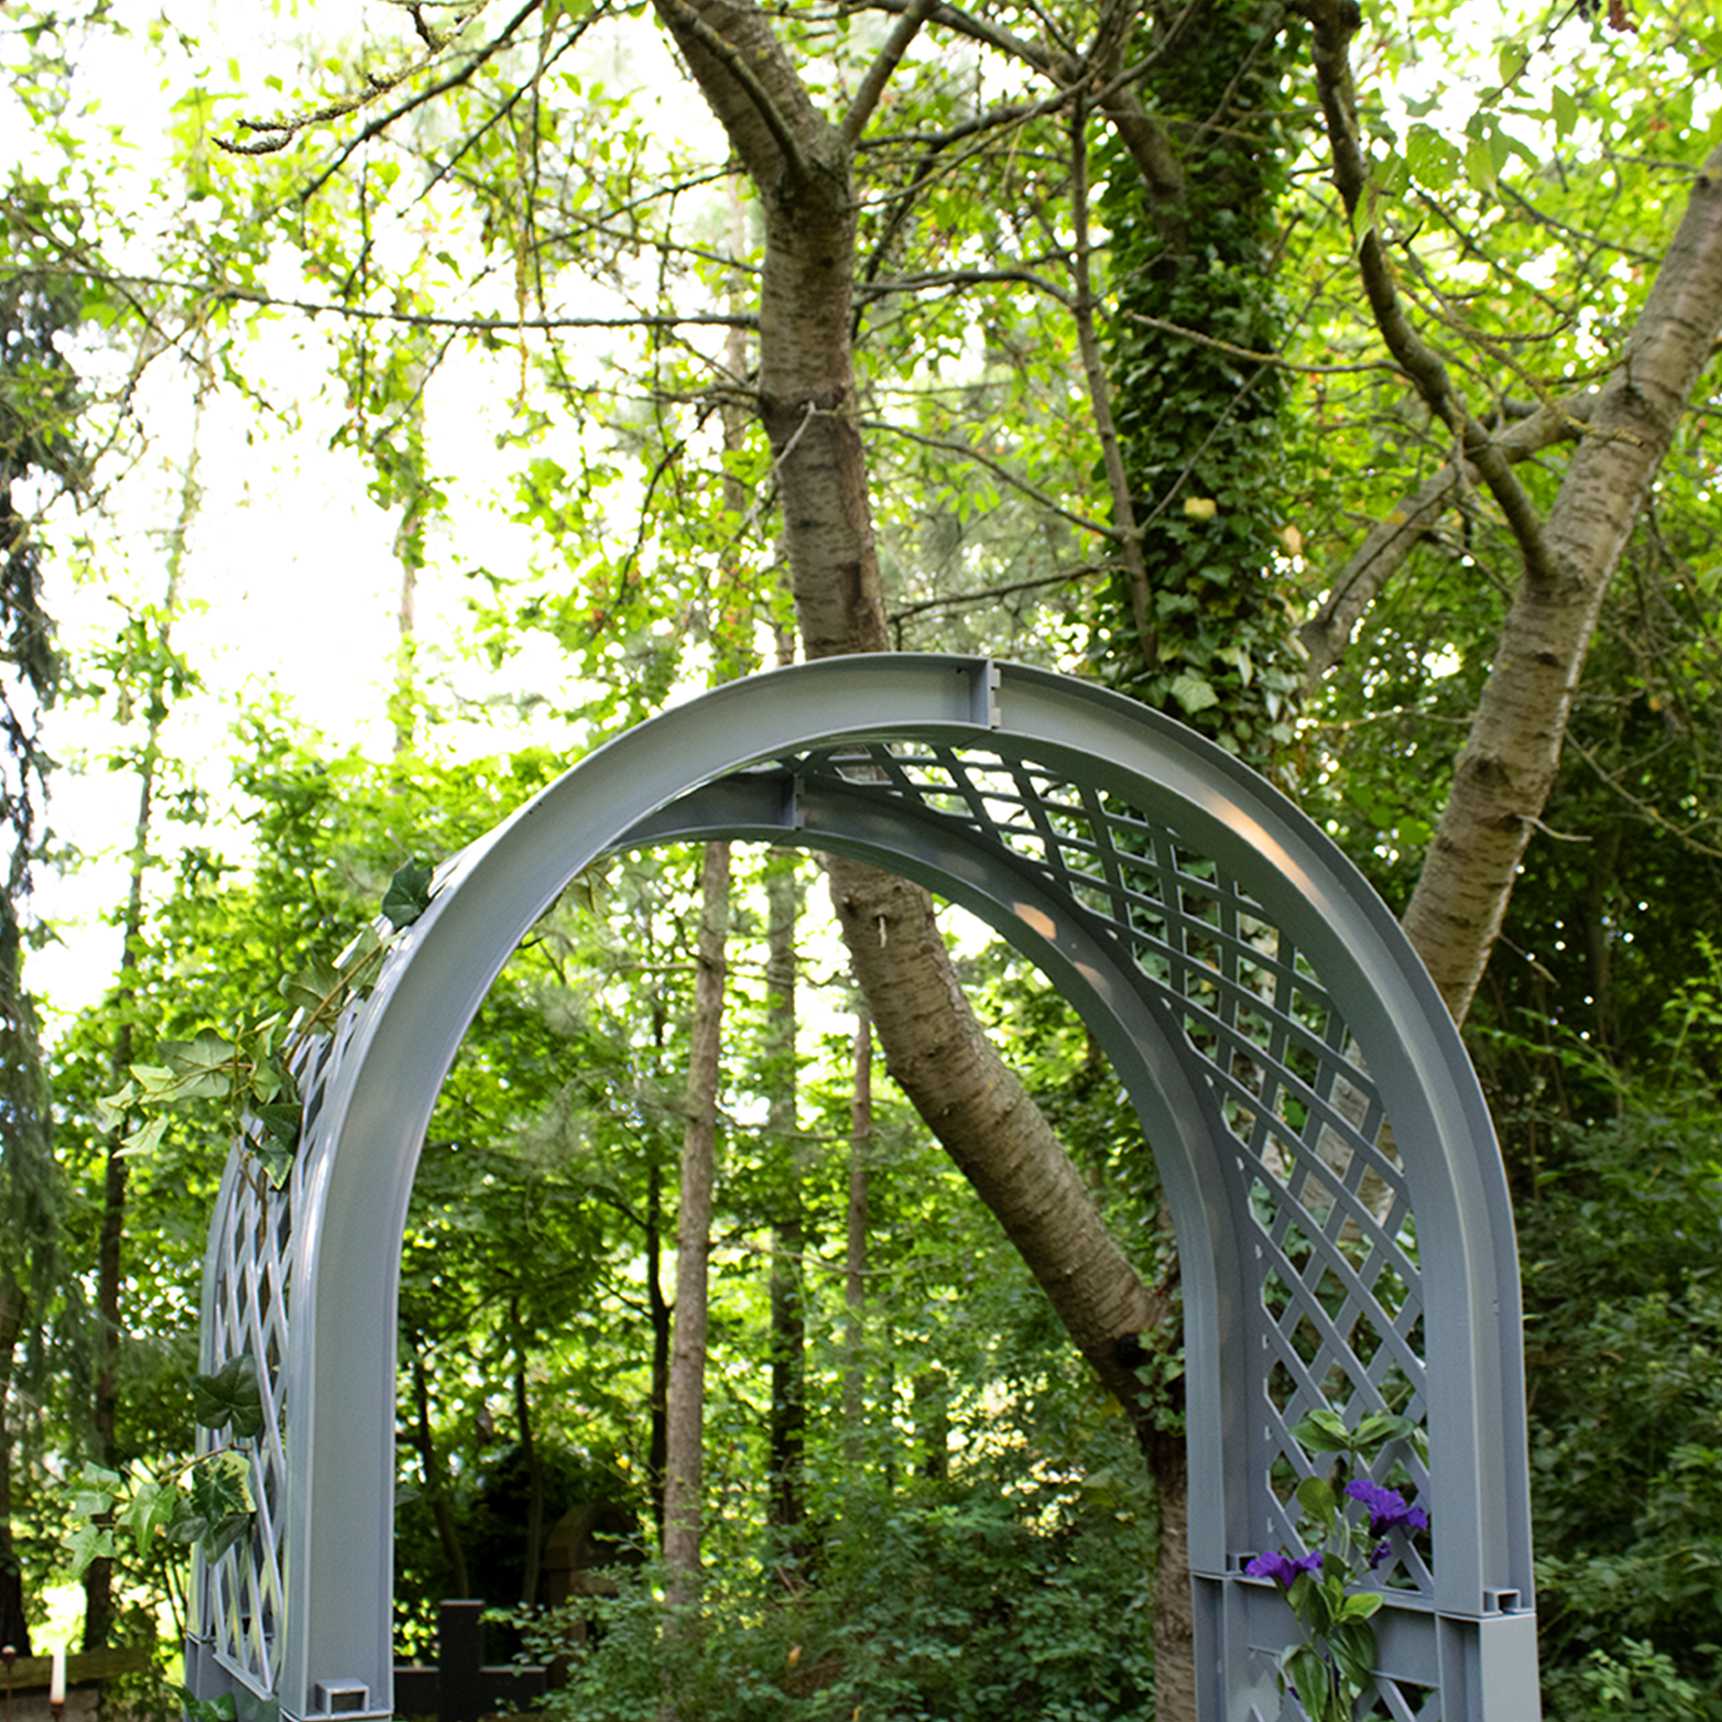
[(395, 403)]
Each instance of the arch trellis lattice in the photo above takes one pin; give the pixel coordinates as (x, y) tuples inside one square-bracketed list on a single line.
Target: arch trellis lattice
[(1340, 1208)]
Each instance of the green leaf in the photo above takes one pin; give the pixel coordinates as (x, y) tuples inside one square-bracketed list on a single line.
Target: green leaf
[(1361, 1606), (1323, 1431), (1564, 111), (206, 1709), (1311, 1680), (1193, 693), (148, 1513), (90, 1543), (231, 1395), (315, 986), (146, 1139), (280, 1124), (1315, 1496), (408, 895), (1434, 161), (1480, 165)]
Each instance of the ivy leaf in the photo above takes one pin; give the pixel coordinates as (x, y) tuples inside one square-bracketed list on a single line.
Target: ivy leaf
[(147, 1137), (223, 1534), (90, 1543), (408, 895), (231, 1395), (149, 1512), (277, 1163), (1193, 693), (205, 1709), (280, 1123), (312, 989)]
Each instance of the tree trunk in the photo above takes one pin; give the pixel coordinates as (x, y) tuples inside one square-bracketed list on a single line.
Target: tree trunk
[(684, 1457), (855, 1240), (14, 1619), (659, 1312), (436, 1482), (533, 1559), (98, 1580), (786, 1506), (800, 166), (1507, 767)]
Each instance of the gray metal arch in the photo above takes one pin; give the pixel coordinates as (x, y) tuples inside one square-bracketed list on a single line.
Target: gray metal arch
[(1334, 1181)]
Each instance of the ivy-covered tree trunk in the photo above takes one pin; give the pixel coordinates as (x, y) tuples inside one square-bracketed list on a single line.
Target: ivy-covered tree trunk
[(1202, 430)]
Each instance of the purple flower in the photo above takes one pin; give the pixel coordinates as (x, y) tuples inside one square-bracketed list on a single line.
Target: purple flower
[(1381, 1553), (1282, 1569), (1387, 1508)]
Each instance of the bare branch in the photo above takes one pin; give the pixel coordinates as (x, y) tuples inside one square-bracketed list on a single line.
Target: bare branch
[(1327, 633), (879, 73), (990, 594), (219, 290), (1336, 21), (976, 29), (1015, 480)]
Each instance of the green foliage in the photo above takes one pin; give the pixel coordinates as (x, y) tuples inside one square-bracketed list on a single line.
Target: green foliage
[(1624, 1320), (956, 1602)]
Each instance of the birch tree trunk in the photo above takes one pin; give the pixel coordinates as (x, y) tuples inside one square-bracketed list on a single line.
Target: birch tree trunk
[(685, 1433)]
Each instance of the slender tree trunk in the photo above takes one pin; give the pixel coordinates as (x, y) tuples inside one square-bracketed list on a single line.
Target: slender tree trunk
[(788, 1431), (659, 1310), (98, 1580), (14, 1620), (435, 1479), (855, 1239), (533, 1561), (684, 1459)]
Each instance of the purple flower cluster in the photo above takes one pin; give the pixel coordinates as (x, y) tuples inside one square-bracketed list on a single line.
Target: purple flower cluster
[(1282, 1569), (1388, 1511)]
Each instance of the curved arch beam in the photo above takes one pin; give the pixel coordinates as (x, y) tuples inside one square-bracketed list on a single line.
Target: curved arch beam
[(340, 1385)]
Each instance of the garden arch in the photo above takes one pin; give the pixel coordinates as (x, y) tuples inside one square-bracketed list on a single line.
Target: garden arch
[(1338, 1196)]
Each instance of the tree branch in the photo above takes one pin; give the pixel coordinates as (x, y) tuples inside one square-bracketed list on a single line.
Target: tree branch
[(1335, 22), (879, 73), (1326, 634), (998, 468), (690, 28)]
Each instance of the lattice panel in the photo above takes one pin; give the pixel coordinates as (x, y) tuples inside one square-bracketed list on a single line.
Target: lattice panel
[(1338, 1288), (244, 1591)]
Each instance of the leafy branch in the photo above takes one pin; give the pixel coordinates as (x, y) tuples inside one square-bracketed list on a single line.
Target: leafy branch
[(252, 1070)]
